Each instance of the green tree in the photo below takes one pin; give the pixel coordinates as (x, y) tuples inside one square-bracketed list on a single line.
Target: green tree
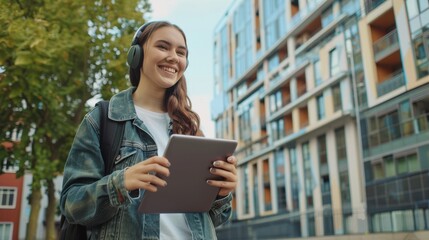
[(55, 55)]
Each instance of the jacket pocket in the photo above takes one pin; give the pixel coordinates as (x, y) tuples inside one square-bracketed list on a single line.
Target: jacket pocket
[(125, 158)]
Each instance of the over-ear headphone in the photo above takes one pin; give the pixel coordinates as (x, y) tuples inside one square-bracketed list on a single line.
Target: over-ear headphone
[(135, 54)]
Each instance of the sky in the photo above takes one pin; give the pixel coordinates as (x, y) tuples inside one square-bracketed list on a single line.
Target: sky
[(198, 20)]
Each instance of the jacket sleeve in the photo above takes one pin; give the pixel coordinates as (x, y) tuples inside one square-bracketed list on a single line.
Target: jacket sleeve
[(88, 197), (221, 210)]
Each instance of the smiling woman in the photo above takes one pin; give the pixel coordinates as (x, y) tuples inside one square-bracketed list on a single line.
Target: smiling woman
[(155, 107)]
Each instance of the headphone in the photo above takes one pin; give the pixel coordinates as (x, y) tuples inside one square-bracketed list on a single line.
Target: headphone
[(135, 54)]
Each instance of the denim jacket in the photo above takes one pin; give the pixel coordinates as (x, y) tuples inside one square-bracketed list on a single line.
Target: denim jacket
[(101, 202)]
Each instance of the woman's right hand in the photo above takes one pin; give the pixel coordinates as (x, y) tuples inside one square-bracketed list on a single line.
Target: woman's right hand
[(143, 175)]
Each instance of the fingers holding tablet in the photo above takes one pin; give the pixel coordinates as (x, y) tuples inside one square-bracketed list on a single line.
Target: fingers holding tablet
[(228, 171), (144, 175)]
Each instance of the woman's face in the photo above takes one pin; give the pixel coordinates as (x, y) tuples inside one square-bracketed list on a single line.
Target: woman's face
[(164, 59)]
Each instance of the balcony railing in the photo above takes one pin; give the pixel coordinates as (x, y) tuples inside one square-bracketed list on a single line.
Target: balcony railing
[(386, 44), (396, 81), (372, 4), (252, 148), (411, 126)]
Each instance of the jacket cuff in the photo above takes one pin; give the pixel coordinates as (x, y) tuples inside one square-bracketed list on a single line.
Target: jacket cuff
[(118, 195), (219, 205)]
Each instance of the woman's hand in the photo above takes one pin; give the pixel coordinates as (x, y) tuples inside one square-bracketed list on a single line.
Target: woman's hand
[(143, 174), (228, 171)]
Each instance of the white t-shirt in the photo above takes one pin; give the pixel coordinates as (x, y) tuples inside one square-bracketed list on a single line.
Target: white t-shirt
[(172, 226)]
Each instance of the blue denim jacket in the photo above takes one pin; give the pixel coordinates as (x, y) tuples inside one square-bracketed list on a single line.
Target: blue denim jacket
[(101, 202)]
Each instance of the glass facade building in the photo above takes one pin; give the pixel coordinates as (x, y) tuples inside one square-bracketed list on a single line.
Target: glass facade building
[(329, 100)]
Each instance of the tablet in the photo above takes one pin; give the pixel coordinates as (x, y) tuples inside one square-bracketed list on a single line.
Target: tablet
[(191, 158)]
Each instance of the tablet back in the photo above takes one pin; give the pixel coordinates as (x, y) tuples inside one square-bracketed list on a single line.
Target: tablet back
[(191, 158)]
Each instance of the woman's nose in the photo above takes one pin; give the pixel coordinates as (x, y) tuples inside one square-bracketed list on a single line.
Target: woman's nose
[(172, 57)]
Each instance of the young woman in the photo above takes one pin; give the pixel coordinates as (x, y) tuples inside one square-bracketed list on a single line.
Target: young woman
[(156, 106)]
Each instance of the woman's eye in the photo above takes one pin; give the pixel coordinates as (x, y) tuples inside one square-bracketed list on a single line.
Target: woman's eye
[(181, 53), (162, 47)]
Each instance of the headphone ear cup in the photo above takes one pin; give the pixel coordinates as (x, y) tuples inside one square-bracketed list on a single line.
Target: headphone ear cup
[(135, 56)]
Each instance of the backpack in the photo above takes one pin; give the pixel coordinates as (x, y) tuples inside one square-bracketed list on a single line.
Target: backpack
[(111, 134)]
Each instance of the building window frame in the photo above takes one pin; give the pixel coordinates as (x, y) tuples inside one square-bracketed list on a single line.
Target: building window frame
[(8, 197), (6, 226)]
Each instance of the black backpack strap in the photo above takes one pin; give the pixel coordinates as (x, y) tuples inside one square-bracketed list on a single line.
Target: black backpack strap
[(111, 135)]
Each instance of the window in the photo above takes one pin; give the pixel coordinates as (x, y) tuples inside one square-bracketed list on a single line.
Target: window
[(320, 107), (8, 197), (267, 185), (255, 192), (418, 19), (327, 16), (336, 95), (278, 129), (321, 148), (334, 62), (309, 180), (245, 187), (378, 170), (345, 187), (280, 180), (340, 141), (275, 101), (294, 179), (6, 230), (317, 72)]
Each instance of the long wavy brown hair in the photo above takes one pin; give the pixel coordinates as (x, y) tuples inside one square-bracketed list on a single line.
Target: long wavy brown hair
[(176, 100)]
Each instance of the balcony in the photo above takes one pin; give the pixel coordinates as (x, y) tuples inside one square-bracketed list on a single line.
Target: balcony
[(395, 81), (252, 148), (386, 45), (372, 4), (396, 136)]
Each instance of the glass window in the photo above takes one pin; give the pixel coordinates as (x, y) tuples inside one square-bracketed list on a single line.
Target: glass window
[(317, 73), (6, 230), (345, 187), (245, 186), (309, 181), (419, 218), (320, 107), (340, 141), (412, 8), (294, 179), (336, 95), (413, 163), (402, 165), (334, 63), (390, 167), (8, 197), (321, 147), (255, 188), (424, 18), (280, 180), (386, 222), (378, 170), (278, 99), (424, 4), (273, 103)]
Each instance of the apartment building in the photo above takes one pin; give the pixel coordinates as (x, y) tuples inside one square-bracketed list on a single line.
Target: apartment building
[(329, 102), (10, 205)]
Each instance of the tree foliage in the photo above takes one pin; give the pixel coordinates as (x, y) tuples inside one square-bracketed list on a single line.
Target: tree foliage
[(55, 55)]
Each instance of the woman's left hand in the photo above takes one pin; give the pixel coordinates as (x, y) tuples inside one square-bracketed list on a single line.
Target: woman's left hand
[(228, 171)]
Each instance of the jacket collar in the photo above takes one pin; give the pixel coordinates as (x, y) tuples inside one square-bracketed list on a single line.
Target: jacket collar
[(122, 106)]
